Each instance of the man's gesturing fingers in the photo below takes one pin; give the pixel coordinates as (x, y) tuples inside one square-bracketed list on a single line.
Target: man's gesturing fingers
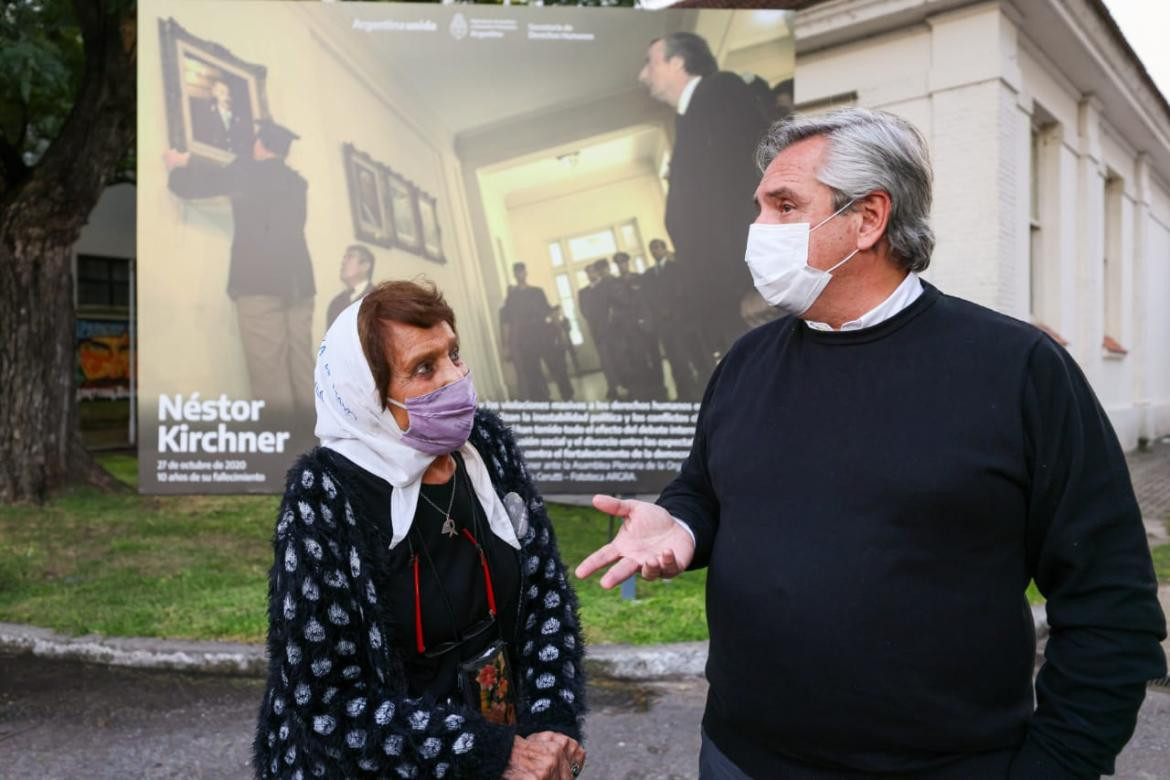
[(619, 573), (598, 559), (669, 564), (647, 533), (612, 506)]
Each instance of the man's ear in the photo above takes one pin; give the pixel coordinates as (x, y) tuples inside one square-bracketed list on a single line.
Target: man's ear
[(875, 217)]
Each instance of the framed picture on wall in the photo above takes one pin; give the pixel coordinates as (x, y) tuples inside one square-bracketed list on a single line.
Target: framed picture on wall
[(402, 197), (367, 203), (428, 218), (213, 98)]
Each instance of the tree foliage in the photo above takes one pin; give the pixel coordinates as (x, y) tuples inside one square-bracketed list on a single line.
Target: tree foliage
[(42, 67), (41, 62), (67, 94)]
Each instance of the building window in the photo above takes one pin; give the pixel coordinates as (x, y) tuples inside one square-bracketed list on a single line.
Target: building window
[(585, 249), (1044, 151), (1111, 276), (571, 255), (569, 308), (592, 245), (630, 235), (1035, 267), (103, 282), (555, 256)]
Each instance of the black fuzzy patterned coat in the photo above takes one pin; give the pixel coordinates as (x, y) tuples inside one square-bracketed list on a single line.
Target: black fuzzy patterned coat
[(336, 703)]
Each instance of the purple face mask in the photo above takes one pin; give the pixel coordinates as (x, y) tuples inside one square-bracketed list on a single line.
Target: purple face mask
[(441, 421)]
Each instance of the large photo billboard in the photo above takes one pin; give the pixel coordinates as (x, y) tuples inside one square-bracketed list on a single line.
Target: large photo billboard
[(577, 181)]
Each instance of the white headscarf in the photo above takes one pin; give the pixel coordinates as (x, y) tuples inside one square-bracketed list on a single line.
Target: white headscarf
[(351, 421)]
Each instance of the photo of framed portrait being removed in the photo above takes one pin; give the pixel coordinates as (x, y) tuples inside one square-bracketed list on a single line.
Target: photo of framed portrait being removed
[(213, 98)]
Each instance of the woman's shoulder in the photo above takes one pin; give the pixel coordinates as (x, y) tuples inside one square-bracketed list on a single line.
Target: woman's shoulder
[(309, 468), (315, 485), (488, 425), (318, 509), (492, 438)]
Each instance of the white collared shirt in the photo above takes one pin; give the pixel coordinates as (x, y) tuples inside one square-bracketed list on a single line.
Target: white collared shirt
[(905, 294), (684, 100)]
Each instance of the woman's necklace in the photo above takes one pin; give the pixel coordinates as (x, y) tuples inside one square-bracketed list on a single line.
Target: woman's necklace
[(449, 523)]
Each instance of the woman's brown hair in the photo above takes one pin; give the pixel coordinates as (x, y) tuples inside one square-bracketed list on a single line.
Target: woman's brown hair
[(411, 303)]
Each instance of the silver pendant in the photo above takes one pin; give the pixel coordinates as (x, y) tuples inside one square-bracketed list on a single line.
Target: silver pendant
[(449, 528)]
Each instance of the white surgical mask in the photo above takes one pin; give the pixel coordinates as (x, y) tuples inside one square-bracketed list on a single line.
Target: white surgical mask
[(778, 258)]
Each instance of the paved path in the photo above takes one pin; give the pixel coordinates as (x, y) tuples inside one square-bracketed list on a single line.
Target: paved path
[(61, 720), (1150, 471)]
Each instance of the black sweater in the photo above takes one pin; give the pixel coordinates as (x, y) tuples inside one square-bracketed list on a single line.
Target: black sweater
[(454, 584), (871, 506), (337, 703)]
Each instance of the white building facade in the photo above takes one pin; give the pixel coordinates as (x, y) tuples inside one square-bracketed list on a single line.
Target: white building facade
[(1051, 151)]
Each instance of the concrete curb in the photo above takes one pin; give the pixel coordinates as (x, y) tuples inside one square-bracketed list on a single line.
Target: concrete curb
[(625, 662), (226, 658), (647, 662)]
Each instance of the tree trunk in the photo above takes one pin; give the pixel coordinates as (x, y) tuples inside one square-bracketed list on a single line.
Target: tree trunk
[(40, 219)]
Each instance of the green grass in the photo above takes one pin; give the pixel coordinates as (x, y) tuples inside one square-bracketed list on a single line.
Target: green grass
[(1034, 596), (1162, 563), (127, 565), (196, 567), (124, 467)]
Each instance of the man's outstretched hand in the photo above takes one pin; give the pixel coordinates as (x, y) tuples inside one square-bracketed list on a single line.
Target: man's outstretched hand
[(649, 540)]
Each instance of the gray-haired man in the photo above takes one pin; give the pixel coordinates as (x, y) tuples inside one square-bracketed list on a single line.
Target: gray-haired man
[(873, 482)]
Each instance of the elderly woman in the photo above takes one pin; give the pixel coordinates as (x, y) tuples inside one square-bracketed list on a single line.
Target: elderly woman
[(420, 622)]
